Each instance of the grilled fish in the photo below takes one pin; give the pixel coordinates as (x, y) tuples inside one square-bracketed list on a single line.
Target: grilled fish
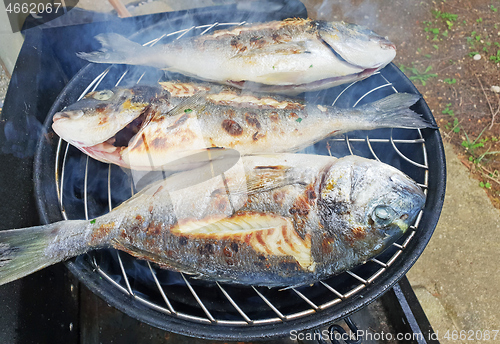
[(275, 220), (289, 56), (147, 127)]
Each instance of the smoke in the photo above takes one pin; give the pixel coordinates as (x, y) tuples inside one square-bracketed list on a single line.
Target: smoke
[(21, 137), (392, 19), (364, 13)]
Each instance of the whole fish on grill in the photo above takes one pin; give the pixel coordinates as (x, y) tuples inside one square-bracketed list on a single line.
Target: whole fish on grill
[(147, 127), (289, 56), (276, 220)]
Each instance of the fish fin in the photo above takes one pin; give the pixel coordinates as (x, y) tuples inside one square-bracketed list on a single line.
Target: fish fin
[(394, 112), (266, 178), (185, 106), (26, 250), (115, 49), (182, 89), (149, 256), (189, 104)]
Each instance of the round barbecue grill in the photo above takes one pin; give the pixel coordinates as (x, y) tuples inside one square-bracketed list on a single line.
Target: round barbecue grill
[(70, 185)]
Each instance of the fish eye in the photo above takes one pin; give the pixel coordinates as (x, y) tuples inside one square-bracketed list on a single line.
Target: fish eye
[(103, 95), (383, 215)]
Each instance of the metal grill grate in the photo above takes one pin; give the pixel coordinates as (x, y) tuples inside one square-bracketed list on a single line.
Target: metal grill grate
[(216, 303)]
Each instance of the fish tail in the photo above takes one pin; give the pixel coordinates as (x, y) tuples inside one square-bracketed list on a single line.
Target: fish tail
[(26, 250), (115, 49), (394, 112)]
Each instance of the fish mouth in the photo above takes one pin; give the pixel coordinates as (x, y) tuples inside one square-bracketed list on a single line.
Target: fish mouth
[(110, 151)]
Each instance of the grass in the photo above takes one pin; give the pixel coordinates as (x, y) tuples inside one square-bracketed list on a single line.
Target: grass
[(431, 30), (495, 58), (417, 74), (448, 17), (455, 127), (486, 185), (484, 44), (472, 147)]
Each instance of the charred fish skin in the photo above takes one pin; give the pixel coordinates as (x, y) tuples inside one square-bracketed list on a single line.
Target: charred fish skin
[(208, 116), (318, 219), (290, 56), (258, 125), (287, 220)]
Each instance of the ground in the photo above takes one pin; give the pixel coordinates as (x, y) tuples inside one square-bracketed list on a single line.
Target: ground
[(456, 67), (450, 49)]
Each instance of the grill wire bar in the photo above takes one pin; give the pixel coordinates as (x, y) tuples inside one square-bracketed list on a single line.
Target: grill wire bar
[(338, 296)]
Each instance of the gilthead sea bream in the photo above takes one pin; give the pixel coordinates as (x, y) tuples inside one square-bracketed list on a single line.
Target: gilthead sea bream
[(289, 56), (147, 127), (278, 220)]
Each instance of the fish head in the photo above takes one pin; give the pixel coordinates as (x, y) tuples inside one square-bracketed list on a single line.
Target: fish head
[(368, 205), (100, 115), (357, 45)]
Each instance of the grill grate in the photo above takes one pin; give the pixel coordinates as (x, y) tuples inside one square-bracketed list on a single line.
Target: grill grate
[(229, 308)]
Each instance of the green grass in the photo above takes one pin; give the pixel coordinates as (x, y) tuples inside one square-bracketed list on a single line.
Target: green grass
[(495, 58), (417, 74), (449, 18), (455, 127), (445, 15), (472, 147), (486, 185)]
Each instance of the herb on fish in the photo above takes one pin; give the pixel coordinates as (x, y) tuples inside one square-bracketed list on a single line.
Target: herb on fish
[(188, 111), (310, 66), (92, 221), (299, 119)]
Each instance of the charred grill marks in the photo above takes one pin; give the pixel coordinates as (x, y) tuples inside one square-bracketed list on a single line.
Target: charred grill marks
[(232, 127)]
